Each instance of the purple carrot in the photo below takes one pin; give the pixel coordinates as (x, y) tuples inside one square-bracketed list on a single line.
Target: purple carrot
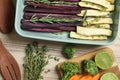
[(72, 0), (42, 30), (50, 11), (28, 15), (54, 6), (64, 0), (59, 28), (62, 26), (26, 23)]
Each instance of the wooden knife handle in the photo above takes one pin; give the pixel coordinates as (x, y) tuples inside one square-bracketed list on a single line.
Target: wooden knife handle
[(7, 16)]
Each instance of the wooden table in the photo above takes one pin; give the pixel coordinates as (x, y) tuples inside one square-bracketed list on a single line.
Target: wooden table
[(16, 46)]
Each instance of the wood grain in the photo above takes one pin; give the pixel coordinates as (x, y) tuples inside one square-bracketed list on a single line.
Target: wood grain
[(15, 44)]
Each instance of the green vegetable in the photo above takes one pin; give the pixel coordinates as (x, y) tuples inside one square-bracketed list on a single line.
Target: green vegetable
[(69, 69), (49, 19), (54, 2), (35, 61), (90, 67), (69, 50)]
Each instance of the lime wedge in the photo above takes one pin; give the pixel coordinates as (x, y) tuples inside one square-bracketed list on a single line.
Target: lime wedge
[(109, 76), (104, 60)]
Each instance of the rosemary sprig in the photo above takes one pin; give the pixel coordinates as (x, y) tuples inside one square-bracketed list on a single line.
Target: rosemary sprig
[(54, 2), (84, 15), (35, 61), (49, 19)]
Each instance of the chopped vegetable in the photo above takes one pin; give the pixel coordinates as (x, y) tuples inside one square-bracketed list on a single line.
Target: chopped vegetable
[(96, 77), (90, 67), (69, 69), (69, 50), (98, 20), (93, 31), (75, 77), (86, 77), (104, 3), (79, 36), (91, 12), (95, 6)]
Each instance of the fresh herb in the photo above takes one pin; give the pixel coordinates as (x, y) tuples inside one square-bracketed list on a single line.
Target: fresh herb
[(96, 19), (49, 19), (47, 71), (86, 3), (87, 24), (103, 8), (84, 15), (35, 61), (54, 2), (100, 26), (56, 59), (92, 4)]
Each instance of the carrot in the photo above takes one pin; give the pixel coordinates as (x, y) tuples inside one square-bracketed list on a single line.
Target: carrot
[(96, 77), (75, 77), (86, 77)]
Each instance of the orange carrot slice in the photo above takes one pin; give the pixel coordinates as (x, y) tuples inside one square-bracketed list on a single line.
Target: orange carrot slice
[(86, 77), (96, 77), (75, 77)]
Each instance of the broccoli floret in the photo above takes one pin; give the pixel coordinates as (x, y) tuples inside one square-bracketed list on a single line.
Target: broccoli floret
[(69, 69), (69, 50), (90, 67)]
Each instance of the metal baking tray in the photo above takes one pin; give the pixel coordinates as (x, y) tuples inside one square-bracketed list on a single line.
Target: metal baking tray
[(64, 36)]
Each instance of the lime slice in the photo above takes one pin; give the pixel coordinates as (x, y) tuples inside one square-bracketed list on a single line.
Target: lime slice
[(104, 60), (109, 76)]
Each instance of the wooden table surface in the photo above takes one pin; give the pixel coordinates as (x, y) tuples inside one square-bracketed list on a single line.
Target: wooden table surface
[(16, 46)]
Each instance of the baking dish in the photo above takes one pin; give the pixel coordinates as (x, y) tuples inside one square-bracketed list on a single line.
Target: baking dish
[(63, 37)]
